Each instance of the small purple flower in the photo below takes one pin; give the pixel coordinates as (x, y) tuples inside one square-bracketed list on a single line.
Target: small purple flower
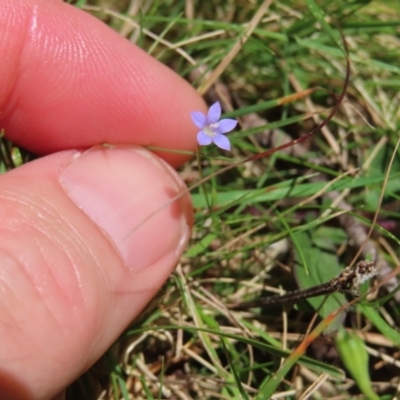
[(213, 130)]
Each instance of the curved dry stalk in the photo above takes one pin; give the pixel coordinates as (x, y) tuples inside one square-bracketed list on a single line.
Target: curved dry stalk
[(354, 229)]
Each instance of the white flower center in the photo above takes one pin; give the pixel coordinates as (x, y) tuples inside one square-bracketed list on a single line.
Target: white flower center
[(211, 130)]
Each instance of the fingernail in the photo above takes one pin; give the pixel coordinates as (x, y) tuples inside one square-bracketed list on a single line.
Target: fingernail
[(133, 196)]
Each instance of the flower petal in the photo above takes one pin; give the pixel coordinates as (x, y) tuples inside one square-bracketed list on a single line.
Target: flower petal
[(222, 142), (226, 125), (214, 113), (203, 139), (199, 119)]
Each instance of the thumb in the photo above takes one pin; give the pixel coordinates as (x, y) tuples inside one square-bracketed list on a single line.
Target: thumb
[(86, 240)]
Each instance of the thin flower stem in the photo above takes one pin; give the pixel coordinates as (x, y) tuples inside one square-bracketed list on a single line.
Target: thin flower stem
[(262, 154), (201, 176)]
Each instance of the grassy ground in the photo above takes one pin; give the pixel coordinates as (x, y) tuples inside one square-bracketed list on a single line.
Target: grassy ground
[(292, 219)]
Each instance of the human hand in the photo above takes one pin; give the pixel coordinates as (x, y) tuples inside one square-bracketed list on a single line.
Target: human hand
[(77, 264)]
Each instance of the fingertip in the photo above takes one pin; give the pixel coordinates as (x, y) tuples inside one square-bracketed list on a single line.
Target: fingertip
[(133, 196), (63, 90), (86, 241)]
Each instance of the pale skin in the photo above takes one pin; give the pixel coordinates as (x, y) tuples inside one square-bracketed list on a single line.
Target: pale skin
[(77, 262)]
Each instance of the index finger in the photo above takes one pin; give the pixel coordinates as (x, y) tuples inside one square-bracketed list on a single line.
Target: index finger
[(68, 81)]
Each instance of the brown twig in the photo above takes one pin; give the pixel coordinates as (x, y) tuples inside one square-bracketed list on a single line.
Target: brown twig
[(348, 280)]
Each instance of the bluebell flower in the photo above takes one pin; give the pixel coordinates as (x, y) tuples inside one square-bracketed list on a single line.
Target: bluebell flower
[(213, 130)]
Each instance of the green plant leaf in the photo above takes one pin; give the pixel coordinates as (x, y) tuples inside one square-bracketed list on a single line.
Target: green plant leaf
[(316, 263), (355, 358)]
